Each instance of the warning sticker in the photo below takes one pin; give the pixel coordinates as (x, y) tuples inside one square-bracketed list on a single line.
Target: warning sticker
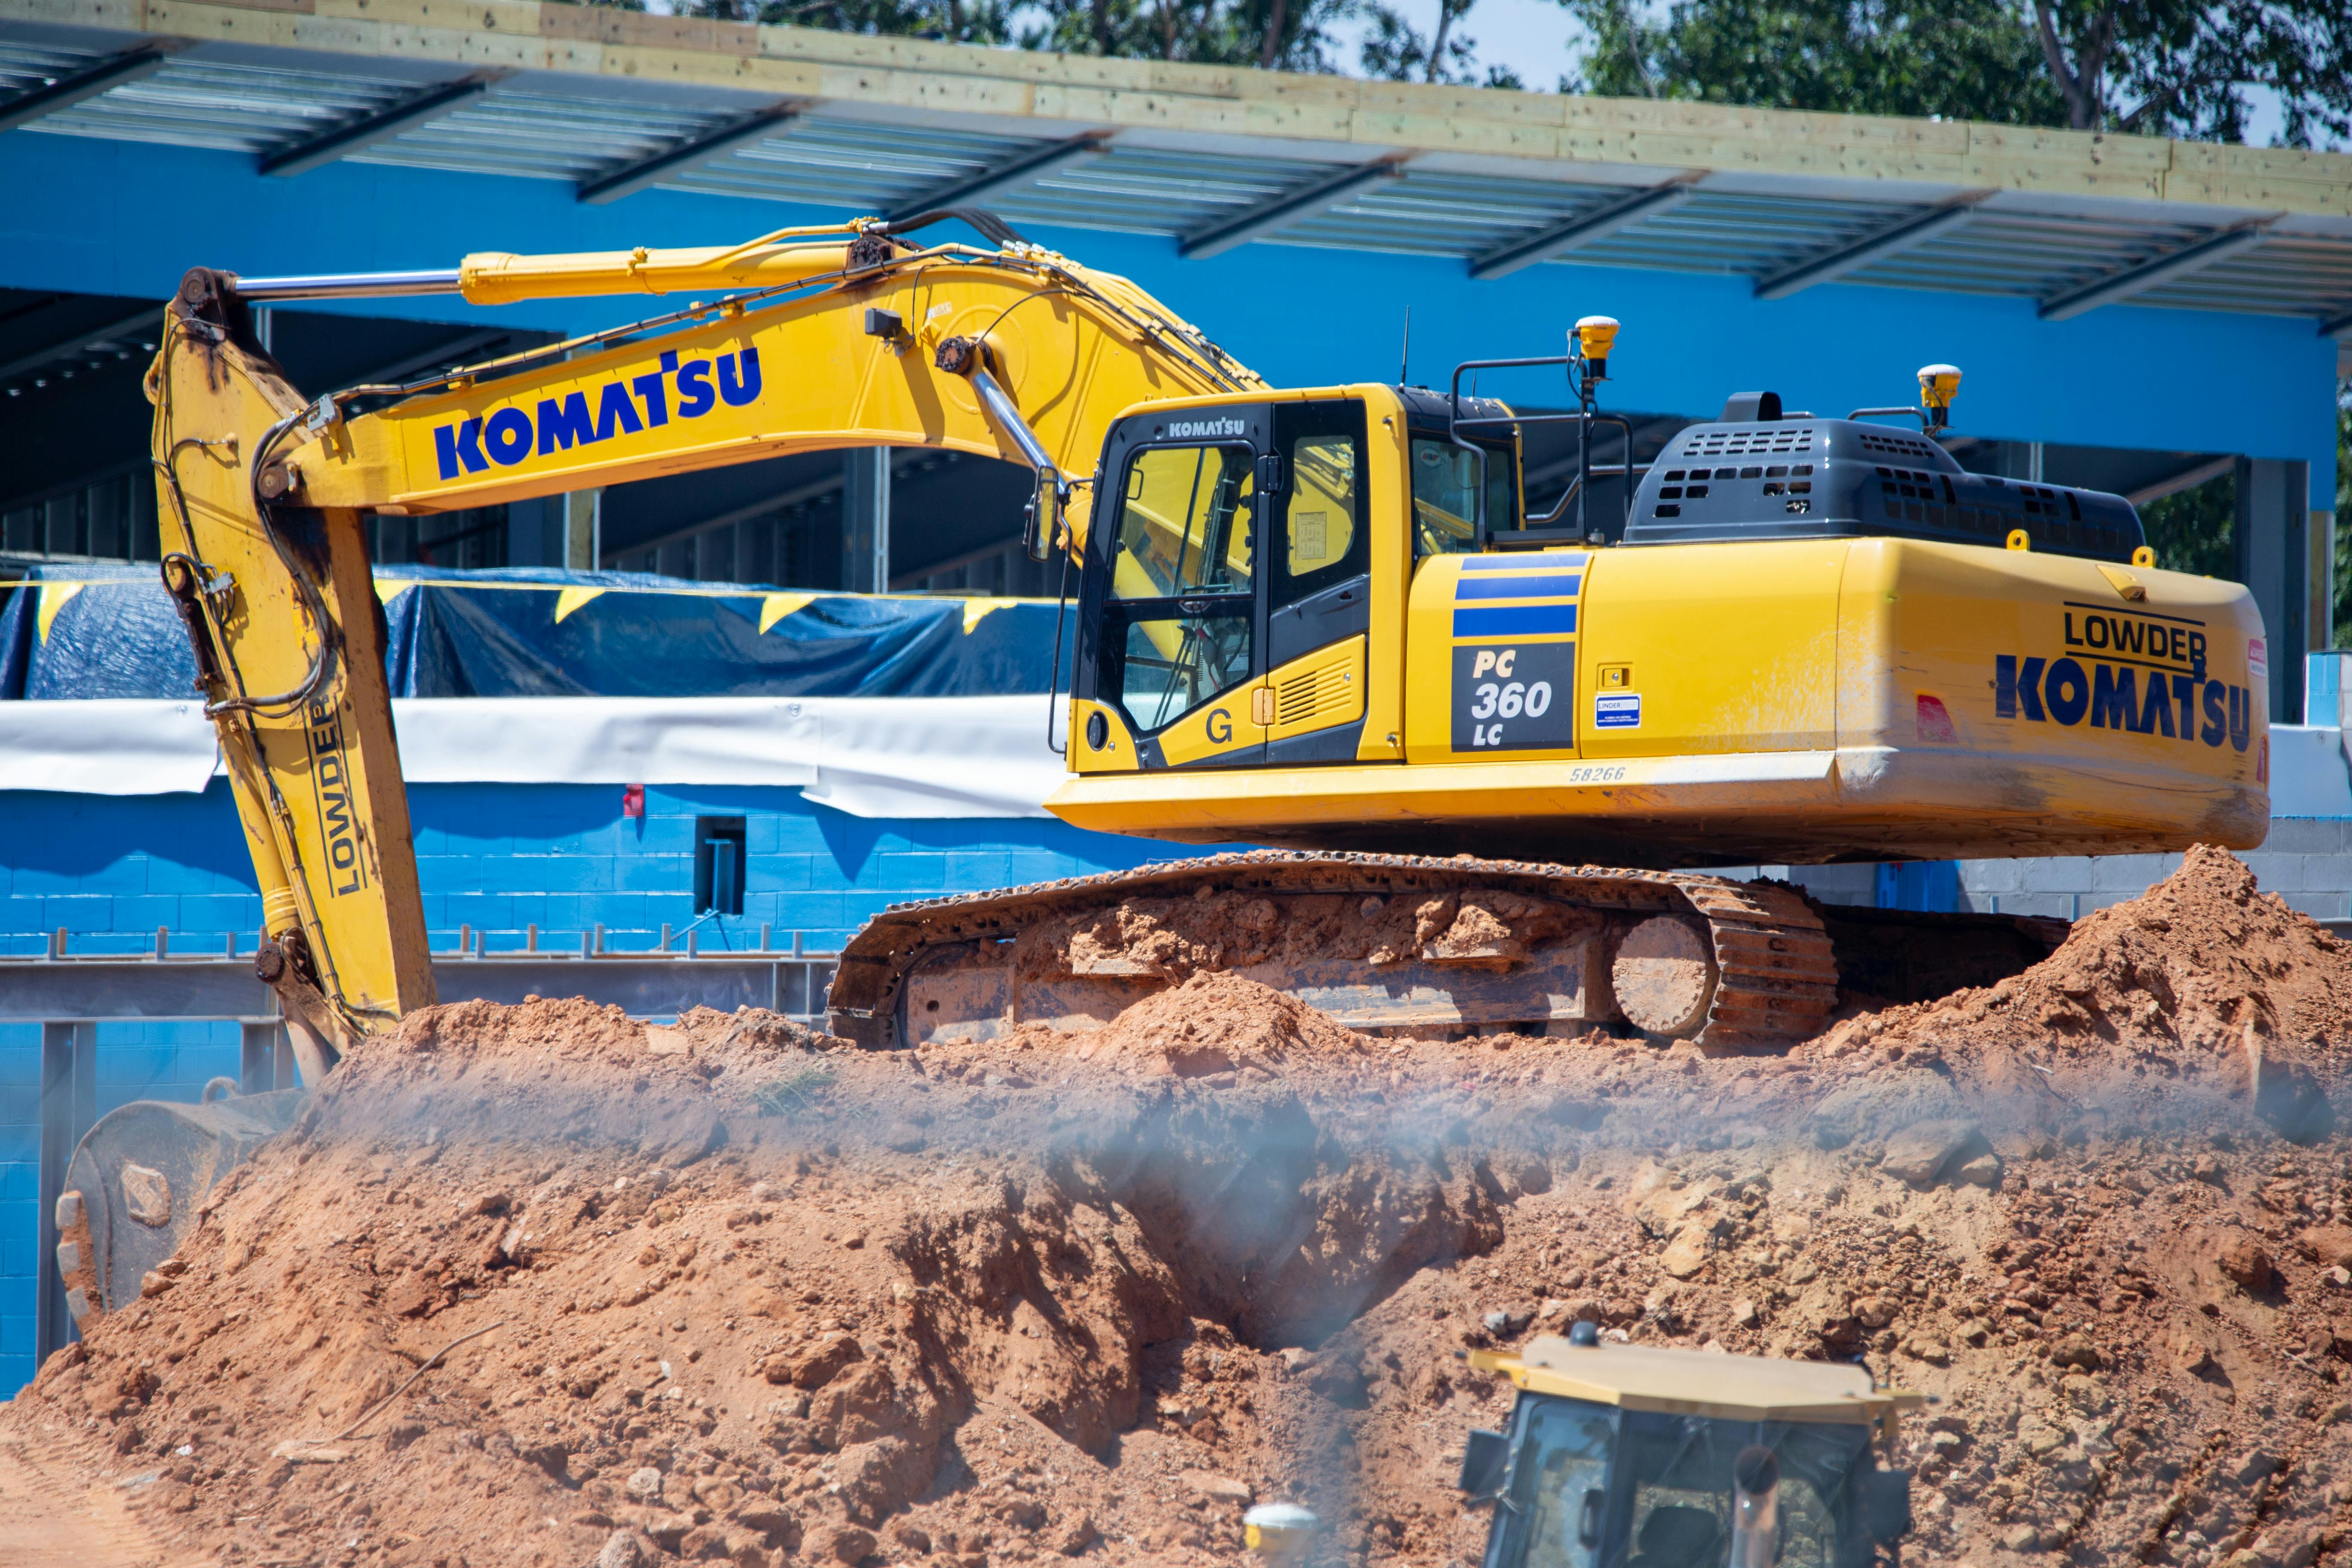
[(1617, 710)]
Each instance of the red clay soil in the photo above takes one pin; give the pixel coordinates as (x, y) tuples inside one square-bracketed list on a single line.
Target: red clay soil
[(764, 1297)]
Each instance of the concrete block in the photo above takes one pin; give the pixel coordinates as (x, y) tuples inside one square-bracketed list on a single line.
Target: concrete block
[(547, 874), (125, 873), (199, 1064), (2323, 906), (807, 912), (2276, 873), (20, 1245), (970, 870), (170, 877), (20, 1059), (775, 871), (2305, 836), (212, 914), (2332, 872), (664, 836), (570, 913), (16, 1338), (20, 1104), (615, 912), (795, 834), (2053, 906), (2130, 875), (141, 913), (1984, 876), (20, 1181), (2057, 874), (78, 912), (16, 1371), (452, 873), (138, 1066), (907, 874), (653, 874), (483, 911)]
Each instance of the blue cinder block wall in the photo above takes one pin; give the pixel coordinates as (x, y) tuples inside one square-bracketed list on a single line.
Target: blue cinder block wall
[(502, 858), (497, 858)]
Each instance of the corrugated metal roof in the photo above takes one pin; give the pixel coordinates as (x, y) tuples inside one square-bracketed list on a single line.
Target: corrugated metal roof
[(228, 109), (542, 136), (859, 164), (544, 126)]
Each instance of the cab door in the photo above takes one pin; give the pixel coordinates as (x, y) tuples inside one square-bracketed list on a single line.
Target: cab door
[(1172, 612), (1318, 585)]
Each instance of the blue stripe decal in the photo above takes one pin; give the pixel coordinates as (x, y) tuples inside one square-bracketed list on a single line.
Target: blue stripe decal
[(1554, 587), (1563, 561), (1513, 620)]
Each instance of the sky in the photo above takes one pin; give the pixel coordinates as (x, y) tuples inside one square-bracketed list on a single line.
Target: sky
[(1531, 37)]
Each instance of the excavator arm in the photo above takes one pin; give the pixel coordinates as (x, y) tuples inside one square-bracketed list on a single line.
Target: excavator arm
[(801, 341)]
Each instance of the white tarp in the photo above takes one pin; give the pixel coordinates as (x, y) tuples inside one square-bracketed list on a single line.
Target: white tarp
[(868, 756), (125, 745)]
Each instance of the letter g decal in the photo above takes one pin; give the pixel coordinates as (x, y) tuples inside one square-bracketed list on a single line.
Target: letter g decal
[(1221, 726)]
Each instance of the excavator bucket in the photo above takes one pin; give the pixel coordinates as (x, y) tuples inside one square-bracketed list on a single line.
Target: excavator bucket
[(137, 1183)]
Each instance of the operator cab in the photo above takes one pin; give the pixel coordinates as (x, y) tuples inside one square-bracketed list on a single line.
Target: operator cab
[(1625, 1457)]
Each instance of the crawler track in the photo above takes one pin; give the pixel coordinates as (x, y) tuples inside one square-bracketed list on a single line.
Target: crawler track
[(1775, 976)]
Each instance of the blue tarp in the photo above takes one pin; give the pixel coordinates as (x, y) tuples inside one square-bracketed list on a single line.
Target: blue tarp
[(82, 631)]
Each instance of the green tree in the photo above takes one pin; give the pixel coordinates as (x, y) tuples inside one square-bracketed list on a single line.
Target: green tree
[(2195, 530), (1959, 59), (2186, 67), (2183, 67), (1393, 49), (959, 21)]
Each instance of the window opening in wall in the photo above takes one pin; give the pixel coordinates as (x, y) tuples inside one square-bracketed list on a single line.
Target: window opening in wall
[(719, 865)]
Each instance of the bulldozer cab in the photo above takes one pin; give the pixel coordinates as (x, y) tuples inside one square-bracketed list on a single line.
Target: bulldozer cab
[(1624, 1456)]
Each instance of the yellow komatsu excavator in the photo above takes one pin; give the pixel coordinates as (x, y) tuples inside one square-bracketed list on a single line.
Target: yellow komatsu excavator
[(1317, 618)]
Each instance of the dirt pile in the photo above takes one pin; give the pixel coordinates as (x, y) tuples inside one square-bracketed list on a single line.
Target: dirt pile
[(767, 1299)]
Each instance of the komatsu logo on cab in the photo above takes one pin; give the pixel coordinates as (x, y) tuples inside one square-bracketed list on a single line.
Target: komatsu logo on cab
[(1194, 429), (624, 407)]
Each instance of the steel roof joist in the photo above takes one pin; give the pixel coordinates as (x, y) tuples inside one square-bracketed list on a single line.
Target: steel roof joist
[(2336, 326), (146, 323), (2143, 276), (1287, 208), (628, 180), (402, 114), (1012, 174), (1580, 229), (136, 65), (1892, 240)]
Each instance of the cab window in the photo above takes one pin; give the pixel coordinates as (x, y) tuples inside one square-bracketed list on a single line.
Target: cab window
[(1180, 627), (1679, 1470), (1562, 1481), (1326, 505), (1185, 523), (1444, 492)]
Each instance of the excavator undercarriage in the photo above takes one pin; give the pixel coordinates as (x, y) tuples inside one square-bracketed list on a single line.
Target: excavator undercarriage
[(1413, 945)]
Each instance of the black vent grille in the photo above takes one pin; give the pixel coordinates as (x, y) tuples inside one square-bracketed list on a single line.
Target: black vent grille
[(1739, 443), (1902, 446)]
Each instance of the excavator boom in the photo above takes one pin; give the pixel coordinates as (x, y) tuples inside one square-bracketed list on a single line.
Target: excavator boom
[(828, 338)]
